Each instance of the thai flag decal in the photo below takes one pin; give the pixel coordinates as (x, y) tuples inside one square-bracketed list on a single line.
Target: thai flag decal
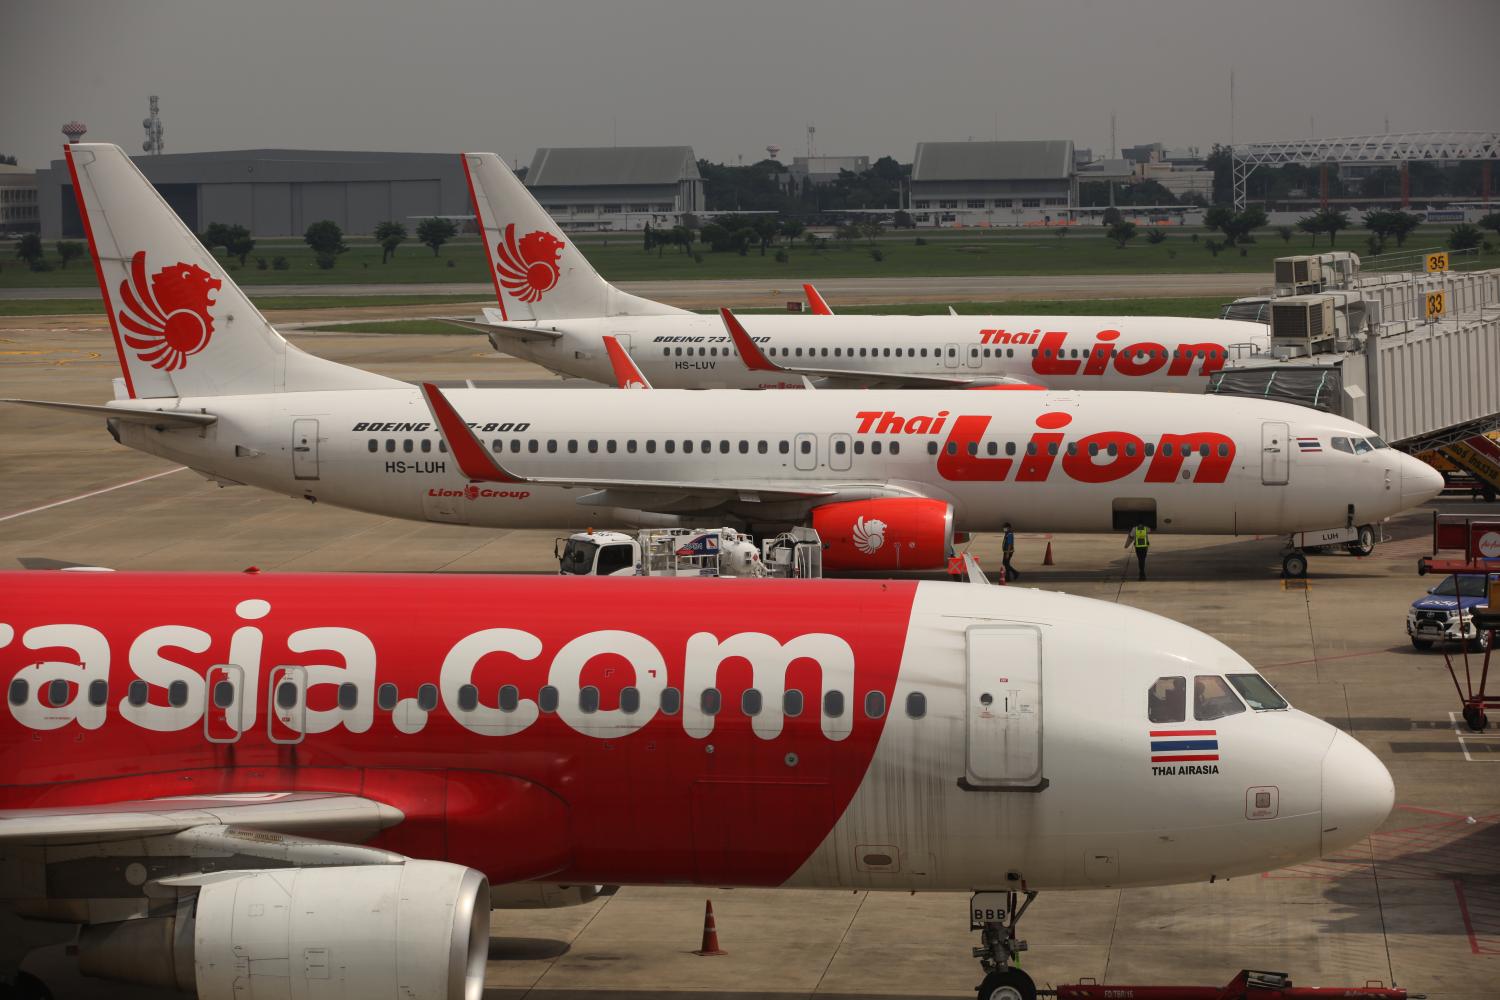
[(1306, 445), (1176, 746)]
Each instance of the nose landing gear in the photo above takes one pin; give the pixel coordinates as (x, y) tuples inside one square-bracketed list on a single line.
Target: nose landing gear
[(995, 916)]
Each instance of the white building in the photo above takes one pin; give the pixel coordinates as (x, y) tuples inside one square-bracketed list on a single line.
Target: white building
[(1025, 183), (616, 187)]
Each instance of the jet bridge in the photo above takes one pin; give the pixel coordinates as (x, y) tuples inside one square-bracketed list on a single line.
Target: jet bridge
[(1413, 355)]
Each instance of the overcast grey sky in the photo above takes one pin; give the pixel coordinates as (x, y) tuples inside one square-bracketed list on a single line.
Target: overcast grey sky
[(728, 78)]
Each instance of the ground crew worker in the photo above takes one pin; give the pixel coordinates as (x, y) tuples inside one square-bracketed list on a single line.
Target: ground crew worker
[(1008, 548), (1140, 535)]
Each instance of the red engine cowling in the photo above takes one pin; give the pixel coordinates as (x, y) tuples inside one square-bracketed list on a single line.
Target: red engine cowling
[(887, 534)]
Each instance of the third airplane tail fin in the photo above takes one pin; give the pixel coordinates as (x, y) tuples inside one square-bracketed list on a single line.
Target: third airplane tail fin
[(182, 327), (537, 271)]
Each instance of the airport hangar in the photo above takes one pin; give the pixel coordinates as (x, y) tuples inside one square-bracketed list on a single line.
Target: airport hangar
[(280, 192)]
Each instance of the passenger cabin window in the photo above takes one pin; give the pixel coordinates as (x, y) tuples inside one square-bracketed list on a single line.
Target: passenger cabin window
[(468, 698), (709, 701), (671, 701), (386, 697), (874, 705), (18, 691), (833, 704), (1258, 693), (427, 697), (1212, 698), (1167, 700), (349, 695), (510, 697), (630, 700), (137, 693), (223, 694), (916, 705), (546, 698), (98, 692), (791, 703)]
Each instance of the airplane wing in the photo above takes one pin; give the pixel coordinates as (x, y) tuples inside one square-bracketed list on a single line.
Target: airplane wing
[(284, 827), (755, 359), (818, 304), (160, 419), (501, 333), (626, 372), (478, 464)]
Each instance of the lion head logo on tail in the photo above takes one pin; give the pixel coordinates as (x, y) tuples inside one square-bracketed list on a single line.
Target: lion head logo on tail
[(528, 267), (167, 321)]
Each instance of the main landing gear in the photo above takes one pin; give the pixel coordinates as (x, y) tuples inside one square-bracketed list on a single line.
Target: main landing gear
[(995, 915)]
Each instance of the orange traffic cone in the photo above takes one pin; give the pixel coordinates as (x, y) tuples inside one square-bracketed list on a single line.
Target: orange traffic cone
[(1047, 559), (710, 932)]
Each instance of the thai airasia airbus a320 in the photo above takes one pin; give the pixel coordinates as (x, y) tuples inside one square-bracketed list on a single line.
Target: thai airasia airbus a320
[(554, 309), (886, 477), (259, 786)]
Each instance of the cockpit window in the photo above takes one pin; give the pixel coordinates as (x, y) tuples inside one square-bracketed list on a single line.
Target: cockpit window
[(1258, 694), (1212, 698), (1342, 444), (1167, 700), (1362, 447), (1377, 442)]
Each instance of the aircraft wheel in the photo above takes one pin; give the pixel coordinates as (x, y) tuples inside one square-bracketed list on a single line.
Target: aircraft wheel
[(1007, 984), (1422, 644), (1365, 543), (1294, 565), (1474, 718)]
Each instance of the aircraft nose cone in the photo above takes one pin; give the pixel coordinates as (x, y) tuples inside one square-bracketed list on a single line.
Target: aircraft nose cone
[(1420, 482), (1357, 793)]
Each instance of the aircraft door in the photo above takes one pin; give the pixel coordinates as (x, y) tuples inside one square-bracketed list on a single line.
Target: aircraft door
[(805, 452), (222, 717), (1003, 715), (305, 449), (1275, 454), (840, 452), (950, 355), (286, 717)]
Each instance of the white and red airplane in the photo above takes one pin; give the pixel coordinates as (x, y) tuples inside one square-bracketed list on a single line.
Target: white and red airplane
[(886, 477), (554, 309), (264, 785)]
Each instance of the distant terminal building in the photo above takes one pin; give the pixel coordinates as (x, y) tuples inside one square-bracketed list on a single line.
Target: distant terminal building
[(807, 170), (1013, 183), (18, 200), (280, 192), (616, 187)]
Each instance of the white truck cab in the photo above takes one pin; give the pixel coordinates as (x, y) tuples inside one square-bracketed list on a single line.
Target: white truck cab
[(689, 552)]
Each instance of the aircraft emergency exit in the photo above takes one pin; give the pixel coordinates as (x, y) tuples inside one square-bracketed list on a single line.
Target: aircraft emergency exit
[(263, 785), (554, 309), (885, 477)]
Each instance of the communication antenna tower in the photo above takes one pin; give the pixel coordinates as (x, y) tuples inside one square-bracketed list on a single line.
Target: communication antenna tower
[(153, 144), (811, 131)]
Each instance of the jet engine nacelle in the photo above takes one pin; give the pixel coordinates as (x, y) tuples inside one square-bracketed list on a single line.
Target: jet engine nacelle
[(419, 929), (891, 533)]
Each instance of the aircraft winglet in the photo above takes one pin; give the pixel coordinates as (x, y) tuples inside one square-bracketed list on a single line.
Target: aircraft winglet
[(815, 301), (754, 358), (626, 372), (474, 461)]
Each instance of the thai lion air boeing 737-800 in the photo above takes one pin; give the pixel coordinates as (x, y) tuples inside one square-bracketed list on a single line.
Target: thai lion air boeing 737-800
[(267, 786), (886, 477), (554, 309)]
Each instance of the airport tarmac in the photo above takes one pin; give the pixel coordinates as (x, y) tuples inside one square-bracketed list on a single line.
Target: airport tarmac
[(1418, 903)]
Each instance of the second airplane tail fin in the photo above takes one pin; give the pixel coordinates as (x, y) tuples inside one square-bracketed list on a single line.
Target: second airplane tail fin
[(537, 271), (182, 327)]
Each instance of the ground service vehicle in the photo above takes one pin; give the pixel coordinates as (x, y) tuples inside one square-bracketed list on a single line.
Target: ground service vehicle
[(794, 554), (1446, 612)]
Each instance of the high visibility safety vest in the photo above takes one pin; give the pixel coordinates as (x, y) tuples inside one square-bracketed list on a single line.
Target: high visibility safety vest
[(1142, 536)]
